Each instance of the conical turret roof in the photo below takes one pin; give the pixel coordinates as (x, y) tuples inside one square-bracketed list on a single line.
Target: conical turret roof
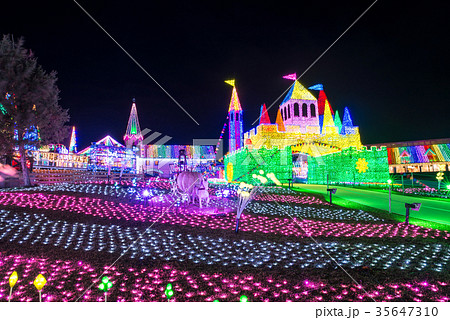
[(264, 116), (298, 91), (321, 103), (279, 122), (235, 104)]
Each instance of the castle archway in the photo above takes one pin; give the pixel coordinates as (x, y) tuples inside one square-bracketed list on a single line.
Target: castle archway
[(300, 153)]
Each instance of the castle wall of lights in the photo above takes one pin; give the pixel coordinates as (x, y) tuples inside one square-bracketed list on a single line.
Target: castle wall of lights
[(242, 164), (350, 166)]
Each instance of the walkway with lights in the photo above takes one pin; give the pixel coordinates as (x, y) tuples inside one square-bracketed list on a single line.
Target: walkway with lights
[(432, 209)]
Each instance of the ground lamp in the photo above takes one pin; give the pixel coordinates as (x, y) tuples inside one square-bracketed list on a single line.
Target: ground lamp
[(223, 193), (146, 194), (105, 285), (332, 191), (439, 178), (168, 292), (390, 185), (413, 206), (12, 282), (39, 283), (243, 298), (274, 179), (245, 193)]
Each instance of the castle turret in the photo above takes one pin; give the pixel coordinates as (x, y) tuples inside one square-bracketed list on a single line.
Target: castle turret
[(328, 126), (321, 103), (337, 121), (264, 116), (299, 108), (347, 123), (235, 124), (280, 122)]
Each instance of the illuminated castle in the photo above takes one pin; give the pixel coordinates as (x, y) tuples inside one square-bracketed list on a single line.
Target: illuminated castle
[(306, 142), (307, 124)]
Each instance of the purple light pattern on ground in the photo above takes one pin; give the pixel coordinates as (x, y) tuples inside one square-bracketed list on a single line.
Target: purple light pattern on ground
[(67, 280)]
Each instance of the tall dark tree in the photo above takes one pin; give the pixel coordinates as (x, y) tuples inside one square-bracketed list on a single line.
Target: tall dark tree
[(28, 102)]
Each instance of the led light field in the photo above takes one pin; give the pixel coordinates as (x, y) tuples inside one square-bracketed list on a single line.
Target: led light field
[(290, 247)]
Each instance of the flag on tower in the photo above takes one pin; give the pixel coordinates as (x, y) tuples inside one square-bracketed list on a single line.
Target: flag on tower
[(317, 87), (230, 82), (292, 76)]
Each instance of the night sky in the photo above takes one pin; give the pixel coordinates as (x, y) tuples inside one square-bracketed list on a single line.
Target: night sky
[(391, 68)]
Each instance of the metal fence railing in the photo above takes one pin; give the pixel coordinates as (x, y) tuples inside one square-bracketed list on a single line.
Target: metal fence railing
[(49, 176)]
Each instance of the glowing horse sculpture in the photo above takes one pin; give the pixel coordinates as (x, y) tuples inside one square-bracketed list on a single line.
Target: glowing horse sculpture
[(191, 185)]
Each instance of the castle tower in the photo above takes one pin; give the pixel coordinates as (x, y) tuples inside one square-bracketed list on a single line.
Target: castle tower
[(280, 122), (300, 108), (133, 134), (235, 126)]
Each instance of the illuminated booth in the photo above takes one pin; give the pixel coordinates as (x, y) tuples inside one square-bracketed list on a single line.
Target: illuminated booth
[(109, 155), (53, 159), (162, 160)]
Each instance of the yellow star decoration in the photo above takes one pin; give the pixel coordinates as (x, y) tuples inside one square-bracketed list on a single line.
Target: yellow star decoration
[(362, 165)]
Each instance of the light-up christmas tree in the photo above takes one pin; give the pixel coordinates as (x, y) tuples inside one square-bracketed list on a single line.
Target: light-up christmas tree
[(133, 134), (73, 142)]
